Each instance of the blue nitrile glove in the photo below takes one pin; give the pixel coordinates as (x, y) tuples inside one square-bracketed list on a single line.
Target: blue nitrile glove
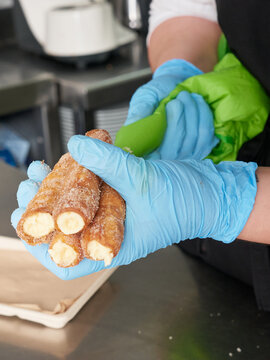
[(190, 129), (190, 132), (147, 97), (166, 201)]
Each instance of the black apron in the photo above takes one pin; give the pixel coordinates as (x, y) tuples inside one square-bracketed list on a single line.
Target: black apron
[(246, 26)]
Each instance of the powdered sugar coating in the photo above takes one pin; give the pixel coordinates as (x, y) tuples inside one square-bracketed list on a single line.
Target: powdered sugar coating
[(81, 193), (107, 227), (68, 187), (100, 134), (82, 187), (46, 198)]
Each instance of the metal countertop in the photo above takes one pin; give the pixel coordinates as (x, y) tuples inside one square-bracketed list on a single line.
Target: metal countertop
[(95, 86), (10, 178), (168, 306), (21, 90), (165, 307)]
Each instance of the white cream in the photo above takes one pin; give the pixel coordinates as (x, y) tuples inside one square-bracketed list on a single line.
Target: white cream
[(70, 222), (62, 254), (38, 225), (99, 252)]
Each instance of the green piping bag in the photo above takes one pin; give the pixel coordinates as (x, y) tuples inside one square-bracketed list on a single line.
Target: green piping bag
[(239, 103)]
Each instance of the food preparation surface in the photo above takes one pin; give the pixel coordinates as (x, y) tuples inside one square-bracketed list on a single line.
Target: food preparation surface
[(10, 178), (165, 307)]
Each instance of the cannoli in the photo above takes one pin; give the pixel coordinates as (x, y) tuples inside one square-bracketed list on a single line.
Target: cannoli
[(65, 250), (100, 134), (69, 212), (79, 202), (102, 239), (37, 222), (68, 199)]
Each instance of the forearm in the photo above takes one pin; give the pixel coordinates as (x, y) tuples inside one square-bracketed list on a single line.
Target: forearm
[(190, 38), (257, 228)]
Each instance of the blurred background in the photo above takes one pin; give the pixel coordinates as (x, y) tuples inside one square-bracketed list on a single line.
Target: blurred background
[(66, 66)]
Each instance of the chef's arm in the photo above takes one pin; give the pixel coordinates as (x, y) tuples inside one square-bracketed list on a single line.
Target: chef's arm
[(257, 228), (190, 38)]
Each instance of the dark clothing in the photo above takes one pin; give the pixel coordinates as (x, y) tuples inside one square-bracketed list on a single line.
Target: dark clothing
[(246, 26), (247, 29)]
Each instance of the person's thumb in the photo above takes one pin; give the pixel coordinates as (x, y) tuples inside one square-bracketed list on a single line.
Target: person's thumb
[(147, 98), (116, 167), (142, 104)]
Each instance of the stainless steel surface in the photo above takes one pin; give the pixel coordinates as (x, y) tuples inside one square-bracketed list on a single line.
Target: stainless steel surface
[(104, 84), (91, 88), (23, 88), (111, 118), (10, 178), (168, 306), (129, 13), (165, 307), (134, 14), (27, 80), (7, 32)]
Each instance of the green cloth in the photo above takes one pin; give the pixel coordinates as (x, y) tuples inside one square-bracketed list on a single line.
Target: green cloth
[(240, 107)]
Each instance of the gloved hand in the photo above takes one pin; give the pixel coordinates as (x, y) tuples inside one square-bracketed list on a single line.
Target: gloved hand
[(190, 132), (166, 201), (190, 129)]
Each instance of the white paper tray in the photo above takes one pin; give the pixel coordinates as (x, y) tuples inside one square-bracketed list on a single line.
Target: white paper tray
[(56, 321)]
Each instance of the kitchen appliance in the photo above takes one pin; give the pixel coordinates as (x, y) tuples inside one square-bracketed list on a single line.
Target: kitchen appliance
[(133, 13), (69, 30), (72, 122)]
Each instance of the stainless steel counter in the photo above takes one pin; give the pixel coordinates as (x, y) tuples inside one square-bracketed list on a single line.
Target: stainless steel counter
[(165, 307), (168, 306), (10, 178), (24, 87)]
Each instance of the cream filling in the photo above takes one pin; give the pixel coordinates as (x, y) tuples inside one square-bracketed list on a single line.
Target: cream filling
[(70, 222), (99, 252), (38, 225), (62, 254)]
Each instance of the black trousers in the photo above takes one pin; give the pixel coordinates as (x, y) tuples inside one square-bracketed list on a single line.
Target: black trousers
[(246, 26)]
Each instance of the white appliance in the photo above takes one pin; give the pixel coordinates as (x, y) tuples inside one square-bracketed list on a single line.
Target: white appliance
[(69, 30)]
